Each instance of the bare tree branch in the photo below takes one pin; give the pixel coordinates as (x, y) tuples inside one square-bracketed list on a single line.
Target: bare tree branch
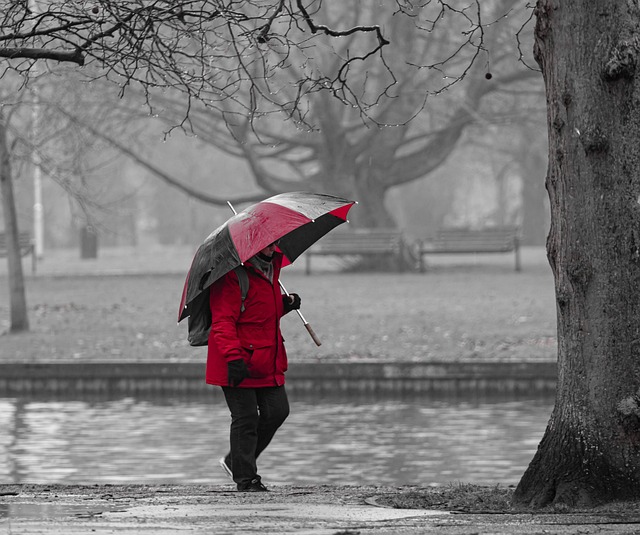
[(208, 49), (74, 56), (157, 171)]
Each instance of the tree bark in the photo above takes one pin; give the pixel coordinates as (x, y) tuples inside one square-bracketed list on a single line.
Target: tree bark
[(590, 452), (19, 320)]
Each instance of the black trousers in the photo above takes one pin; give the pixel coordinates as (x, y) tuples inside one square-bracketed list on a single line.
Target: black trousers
[(256, 415)]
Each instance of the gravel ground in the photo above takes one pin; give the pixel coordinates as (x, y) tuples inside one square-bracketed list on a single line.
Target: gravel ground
[(161, 509)]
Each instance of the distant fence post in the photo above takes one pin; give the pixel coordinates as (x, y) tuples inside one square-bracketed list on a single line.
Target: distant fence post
[(88, 242)]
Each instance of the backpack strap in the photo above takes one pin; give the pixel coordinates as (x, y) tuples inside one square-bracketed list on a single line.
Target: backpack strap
[(243, 280)]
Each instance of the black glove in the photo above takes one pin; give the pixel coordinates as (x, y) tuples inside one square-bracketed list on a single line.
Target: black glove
[(291, 302), (237, 371)]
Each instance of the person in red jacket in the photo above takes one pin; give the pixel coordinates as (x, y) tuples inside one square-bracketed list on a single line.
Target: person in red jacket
[(247, 358)]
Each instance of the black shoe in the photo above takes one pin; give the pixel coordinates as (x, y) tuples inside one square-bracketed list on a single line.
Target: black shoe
[(254, 486)]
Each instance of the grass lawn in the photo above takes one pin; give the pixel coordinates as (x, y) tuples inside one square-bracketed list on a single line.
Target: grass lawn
[(469, 312)]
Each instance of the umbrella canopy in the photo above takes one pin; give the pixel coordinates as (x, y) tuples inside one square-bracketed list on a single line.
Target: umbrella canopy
[(296, 219)]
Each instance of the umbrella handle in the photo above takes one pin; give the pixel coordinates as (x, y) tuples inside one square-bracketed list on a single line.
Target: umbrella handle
[(310, 330), (306, 323)]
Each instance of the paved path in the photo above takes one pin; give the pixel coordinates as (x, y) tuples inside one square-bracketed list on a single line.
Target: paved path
[(160, 510)]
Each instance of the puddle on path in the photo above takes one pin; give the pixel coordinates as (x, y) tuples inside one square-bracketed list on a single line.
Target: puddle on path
[(51, 510)]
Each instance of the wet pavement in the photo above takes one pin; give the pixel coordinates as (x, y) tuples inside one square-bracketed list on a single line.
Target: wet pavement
[(200, 509)]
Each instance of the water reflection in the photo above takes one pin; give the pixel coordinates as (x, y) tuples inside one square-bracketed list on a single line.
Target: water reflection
[(389, 442)]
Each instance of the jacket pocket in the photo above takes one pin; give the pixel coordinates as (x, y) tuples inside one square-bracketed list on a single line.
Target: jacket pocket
[(261, 361)]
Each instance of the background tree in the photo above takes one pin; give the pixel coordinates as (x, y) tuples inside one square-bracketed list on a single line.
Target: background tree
[(246, 62), (19, 320), (532, 162), (511, 131), (205, 49), (434, 48), (54, 145), (590, 451), (363, 154)]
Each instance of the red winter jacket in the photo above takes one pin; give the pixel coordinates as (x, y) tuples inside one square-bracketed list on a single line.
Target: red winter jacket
[(253, 335)]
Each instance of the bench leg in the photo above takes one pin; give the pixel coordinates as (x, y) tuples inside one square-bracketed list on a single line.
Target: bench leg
[(307, 269), (517, 253), (421, 266)]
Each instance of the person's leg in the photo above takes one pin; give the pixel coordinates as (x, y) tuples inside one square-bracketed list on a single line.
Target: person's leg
[(243, 405), (273, 408)]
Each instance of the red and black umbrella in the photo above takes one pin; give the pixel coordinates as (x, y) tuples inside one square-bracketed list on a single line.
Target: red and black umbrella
[(296, 219)]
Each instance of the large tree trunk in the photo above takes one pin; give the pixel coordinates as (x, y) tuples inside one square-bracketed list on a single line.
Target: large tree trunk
[(590, 452), (17, 300)]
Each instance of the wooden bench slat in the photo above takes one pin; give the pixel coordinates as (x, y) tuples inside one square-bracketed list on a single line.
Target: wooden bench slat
[(461, 240), (358, 242), (24, 239)]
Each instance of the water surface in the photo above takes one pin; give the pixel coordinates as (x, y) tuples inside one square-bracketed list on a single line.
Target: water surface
[(381, 443)]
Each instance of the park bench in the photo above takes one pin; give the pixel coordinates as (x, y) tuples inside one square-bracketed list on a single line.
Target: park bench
[(389, 243), (456, 240), (25, 245)]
